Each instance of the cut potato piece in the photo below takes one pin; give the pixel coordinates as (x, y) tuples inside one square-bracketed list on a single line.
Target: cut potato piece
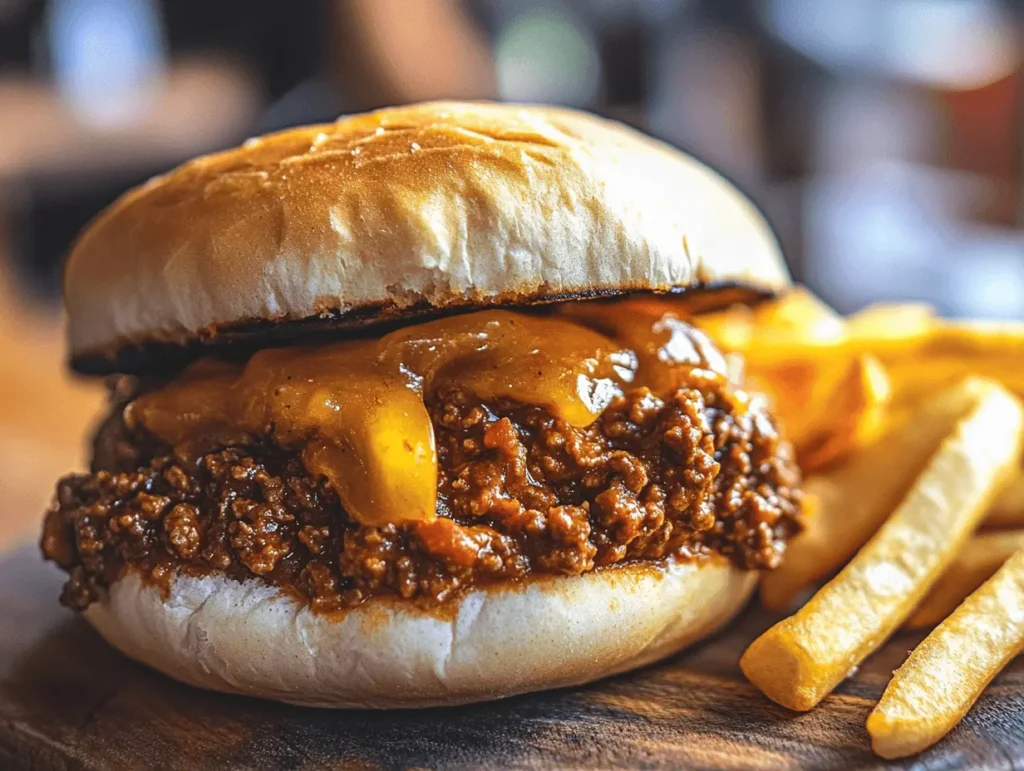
[(946, 673), (801, 659)]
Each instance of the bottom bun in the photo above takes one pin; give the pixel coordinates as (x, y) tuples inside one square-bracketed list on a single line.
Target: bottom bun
[(249, 638)]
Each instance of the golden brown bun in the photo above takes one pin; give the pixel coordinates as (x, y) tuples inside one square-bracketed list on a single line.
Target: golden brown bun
[(403, 211), (248, 638)]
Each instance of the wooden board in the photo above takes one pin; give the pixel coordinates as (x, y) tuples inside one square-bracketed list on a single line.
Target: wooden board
[(69, 701)]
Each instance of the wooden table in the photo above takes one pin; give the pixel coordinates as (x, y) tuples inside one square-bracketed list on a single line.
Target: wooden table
[(45, 414), (67, 700)]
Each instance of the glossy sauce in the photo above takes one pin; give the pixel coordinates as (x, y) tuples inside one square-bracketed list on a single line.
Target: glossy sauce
[(356, 408)]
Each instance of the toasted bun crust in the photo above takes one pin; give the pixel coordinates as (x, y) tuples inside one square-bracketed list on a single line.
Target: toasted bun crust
[(404, 211), (248, 638)]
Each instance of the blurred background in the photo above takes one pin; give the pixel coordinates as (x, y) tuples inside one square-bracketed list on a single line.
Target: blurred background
[(882, 138)]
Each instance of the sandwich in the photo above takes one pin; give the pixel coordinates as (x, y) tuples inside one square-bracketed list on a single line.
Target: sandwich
[(414, 409)]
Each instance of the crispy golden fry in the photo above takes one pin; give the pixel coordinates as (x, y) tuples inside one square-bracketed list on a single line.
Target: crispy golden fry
[(924, 355), (815, 365), (891, 322), (946, 673), (975, 339), (977, 561), (802, 658), (856, 496), (943, 357), (798, 318), (798, 325), (917, 375), (789, 386), (853, 417), (826, 412), (1008, 510)]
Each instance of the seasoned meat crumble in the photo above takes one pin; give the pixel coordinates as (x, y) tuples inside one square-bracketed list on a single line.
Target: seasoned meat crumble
[(520, 492)]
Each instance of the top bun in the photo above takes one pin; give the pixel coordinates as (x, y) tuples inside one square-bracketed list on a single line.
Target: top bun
[(406, 211)]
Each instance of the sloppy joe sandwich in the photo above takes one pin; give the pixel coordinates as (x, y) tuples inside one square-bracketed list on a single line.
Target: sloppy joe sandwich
[(414, 409)]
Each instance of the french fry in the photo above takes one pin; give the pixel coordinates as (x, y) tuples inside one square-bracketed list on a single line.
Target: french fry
[(891, 322), (1008, 510), (923, 356), (976, 340), (856, 496), (799, 326), (799, 316), (981, 556), (949, 350), (795, 319), (854, 416), (992, 351), (920, 374), (826, 413), (946, 673), (801, 659)]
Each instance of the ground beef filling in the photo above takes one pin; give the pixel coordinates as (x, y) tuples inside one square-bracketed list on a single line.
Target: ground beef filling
[(520, 493)]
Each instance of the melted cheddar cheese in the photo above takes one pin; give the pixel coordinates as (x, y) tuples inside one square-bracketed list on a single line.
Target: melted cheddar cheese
[(356, 408)]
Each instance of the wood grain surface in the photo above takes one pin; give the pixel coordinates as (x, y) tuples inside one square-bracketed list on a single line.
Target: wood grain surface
[(67, 700), (45, 414)]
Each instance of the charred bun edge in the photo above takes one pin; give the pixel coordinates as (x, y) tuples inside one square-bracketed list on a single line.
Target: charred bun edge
[(242, 339)]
